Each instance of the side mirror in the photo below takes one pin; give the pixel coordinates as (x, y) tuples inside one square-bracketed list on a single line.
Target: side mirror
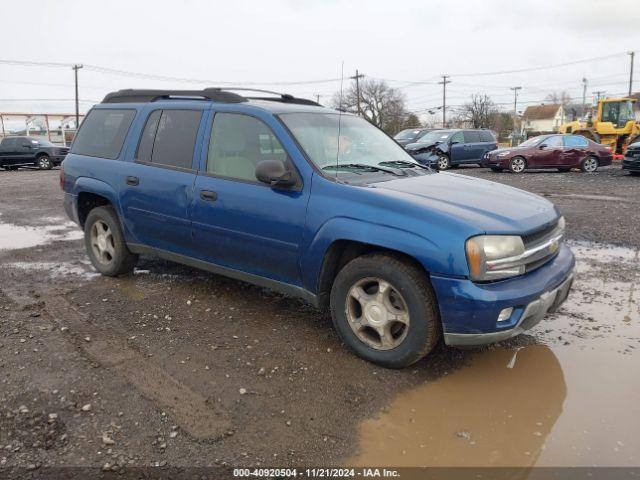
[(542, 147), (453, 142), (275, 173)]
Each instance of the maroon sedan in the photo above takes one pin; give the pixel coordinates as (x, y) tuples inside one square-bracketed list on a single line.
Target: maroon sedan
[(563, 152)]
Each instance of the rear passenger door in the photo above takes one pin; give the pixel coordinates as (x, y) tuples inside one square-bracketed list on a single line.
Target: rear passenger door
[(157, 186), (575, 149), (239, 222)]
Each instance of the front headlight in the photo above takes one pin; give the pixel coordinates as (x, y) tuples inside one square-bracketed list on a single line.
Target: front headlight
[(485, 248)]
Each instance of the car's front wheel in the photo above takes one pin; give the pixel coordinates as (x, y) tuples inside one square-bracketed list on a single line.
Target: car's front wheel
[(105, 243), (444, 162), (384, 308), (517, 164), (589, 164), (44, 162)]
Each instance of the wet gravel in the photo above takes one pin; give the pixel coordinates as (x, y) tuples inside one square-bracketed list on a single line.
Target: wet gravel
[(602, 206)]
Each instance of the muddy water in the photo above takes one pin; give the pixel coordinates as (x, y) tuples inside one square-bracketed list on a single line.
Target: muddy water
[(571, 398)]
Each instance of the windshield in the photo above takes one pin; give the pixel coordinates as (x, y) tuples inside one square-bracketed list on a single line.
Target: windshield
[(432, 137), (359, 141), (406, 134), (532, 142)]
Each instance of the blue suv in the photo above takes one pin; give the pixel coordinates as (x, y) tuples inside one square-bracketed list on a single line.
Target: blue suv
[(320, 205), (445, 149)]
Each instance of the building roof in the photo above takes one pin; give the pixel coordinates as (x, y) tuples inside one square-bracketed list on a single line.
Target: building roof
[(541, 112)]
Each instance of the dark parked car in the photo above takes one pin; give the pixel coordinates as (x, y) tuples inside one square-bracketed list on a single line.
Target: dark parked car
[(563, 152), (631, 160), (444, 149), (18, 152), (410, 135)]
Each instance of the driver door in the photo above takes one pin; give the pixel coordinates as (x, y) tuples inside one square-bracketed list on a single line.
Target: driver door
[(457, 149), (549, 152)]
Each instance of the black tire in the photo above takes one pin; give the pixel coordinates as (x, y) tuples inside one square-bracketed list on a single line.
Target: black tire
[(122, 261), (564, 170), (514, 165), (634, 174), (444, 162), (587, 164), (496, 169), (44, 162), (424, 329)]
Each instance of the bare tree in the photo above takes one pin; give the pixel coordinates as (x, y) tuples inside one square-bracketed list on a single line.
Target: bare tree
[(562, 98), (380, 104), (479, 112)]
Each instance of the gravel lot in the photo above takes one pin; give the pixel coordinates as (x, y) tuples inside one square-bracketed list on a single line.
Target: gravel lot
[(176, 367)]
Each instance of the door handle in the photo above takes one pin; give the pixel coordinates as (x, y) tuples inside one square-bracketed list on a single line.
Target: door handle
[(133, 181), (208, 195)]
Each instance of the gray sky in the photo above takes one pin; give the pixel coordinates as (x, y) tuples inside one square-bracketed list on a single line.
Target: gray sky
[(285, 40)]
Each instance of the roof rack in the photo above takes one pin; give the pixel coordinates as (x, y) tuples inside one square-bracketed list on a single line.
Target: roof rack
[(218, 94)]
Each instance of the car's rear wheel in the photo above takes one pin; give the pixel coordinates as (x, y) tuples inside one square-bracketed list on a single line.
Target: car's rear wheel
[(589, 164), (634, 174), (444, 162), (105, 244), (44, 162), (384, 308), (517, 164)]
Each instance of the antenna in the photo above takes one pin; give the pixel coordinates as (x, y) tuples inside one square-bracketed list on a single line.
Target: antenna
[(339, 118)]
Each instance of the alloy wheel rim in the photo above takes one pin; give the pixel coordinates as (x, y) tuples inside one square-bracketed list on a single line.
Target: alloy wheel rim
[(443, 163), (102, 242), (518, 165), (377, 313), (44, 162), (590, 164)]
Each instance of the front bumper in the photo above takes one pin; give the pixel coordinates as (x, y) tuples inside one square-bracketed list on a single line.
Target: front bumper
[(469, 311), (632, 164)]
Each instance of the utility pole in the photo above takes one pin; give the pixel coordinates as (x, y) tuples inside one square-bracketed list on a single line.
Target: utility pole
[(75, 72), (318, 97), (599, 93), (584, 95), (632, 55), (515, 112), (357, 78), (444, 99)]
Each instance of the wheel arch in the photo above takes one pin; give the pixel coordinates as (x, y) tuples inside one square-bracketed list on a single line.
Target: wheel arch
[(341, 252), (91, 193)]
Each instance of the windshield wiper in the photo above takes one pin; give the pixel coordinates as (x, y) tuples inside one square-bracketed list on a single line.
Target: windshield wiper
[(363, 166), (404, 163)]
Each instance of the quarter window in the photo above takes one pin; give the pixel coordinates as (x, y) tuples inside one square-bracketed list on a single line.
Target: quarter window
[(103, 132), (175, 138), (238, 143), (487, 136)]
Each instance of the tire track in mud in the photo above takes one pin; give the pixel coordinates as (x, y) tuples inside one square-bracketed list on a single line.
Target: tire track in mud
[(200, 418)]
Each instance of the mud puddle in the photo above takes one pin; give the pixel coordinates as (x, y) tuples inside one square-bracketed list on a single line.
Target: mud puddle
[(572, 398)]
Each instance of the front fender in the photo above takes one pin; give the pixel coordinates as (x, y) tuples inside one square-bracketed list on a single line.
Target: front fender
[(432, 256)]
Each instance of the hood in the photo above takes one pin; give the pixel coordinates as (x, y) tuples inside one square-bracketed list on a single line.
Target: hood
[(421, 146), (505, 149), (487, 206)]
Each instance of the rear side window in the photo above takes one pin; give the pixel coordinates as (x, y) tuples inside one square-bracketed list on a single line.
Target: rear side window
[(175, 138), (103, 132), (575, 141), (471, 136), (487, 136)]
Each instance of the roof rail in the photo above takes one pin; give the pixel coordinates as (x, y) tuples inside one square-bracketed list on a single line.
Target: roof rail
[(135, 96), (218, 94)]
